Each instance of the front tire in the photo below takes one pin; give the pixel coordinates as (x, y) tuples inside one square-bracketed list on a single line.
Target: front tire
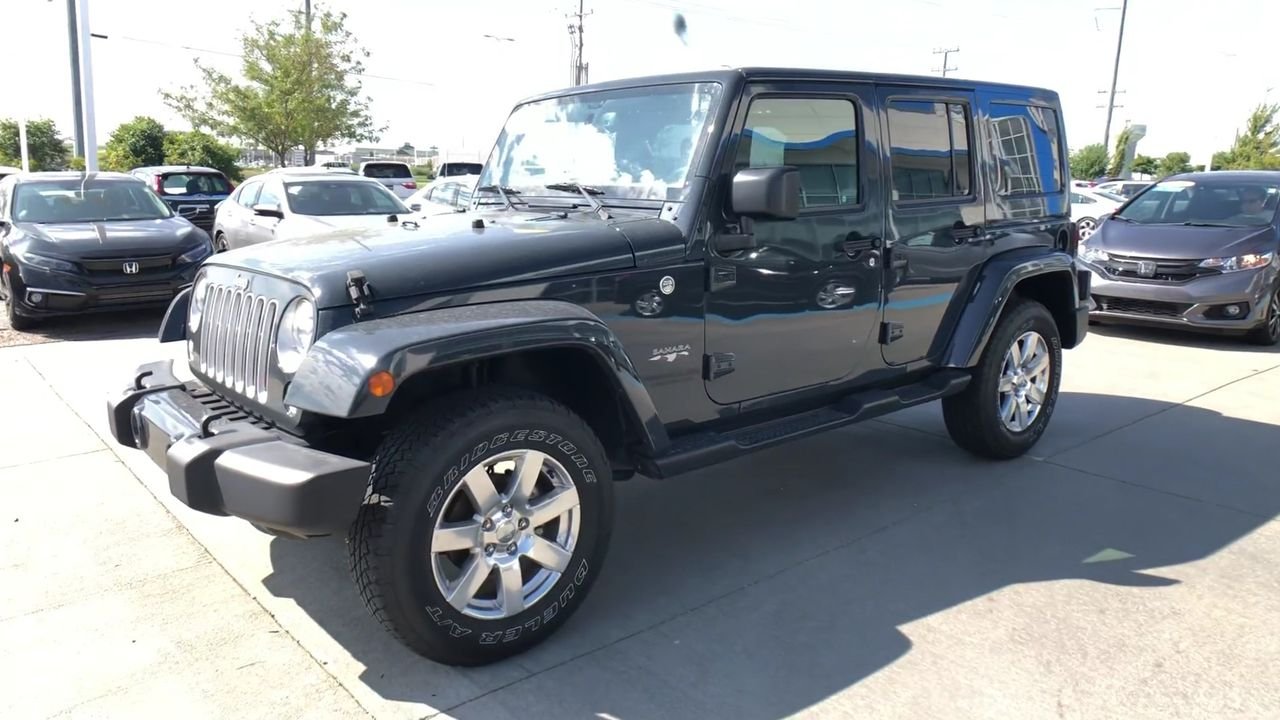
[(220, 243), (487, 520), (1269, 332), (17, 320), (1007, 406)]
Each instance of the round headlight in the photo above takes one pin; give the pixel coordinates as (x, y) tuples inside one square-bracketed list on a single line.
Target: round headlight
[(297, 331), (196, 308)]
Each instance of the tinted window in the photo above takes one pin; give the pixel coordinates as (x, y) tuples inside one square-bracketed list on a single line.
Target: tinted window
[(1212, 202), (341, 197), (929, 149), (1027, 153), (453, 169), (820, 137), (387, 171), (77, 200), (195, 184)]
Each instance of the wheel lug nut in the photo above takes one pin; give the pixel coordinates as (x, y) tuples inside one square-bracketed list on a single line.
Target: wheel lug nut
[(511, 548), (523, 524), (488, 549), (506, 510), (487, 524)]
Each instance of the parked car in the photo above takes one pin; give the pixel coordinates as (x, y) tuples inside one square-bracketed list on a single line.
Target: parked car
[(291, 204), (74, 243), (1198, 251), (1123, 188), (455, 169), (396, 176), (1088, 208), (443, 195), (460, 395), (193, 192)]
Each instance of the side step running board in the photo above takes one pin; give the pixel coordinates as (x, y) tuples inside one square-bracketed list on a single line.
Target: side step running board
[(709, 448)]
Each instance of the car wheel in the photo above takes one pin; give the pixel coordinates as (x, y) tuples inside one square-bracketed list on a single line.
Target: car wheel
[(486, 522), (1269, 332), (17, 320), (220, 243), (1086, 227), (1007, 406)]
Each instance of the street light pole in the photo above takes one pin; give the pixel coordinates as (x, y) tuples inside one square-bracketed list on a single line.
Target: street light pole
[(22, 143), (73, 45), (86, 87), (1115, 76)]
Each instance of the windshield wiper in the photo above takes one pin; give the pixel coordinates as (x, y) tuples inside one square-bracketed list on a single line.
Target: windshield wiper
[(586, 191), (1193, 223), (502, 190)]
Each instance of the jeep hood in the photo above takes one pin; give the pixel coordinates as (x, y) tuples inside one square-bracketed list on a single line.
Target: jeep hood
[(1180, 242), (441, 254)]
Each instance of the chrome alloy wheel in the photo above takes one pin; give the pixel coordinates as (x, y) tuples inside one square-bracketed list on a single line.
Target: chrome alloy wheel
[(1273, 315), (1024, 381), (1087, 227), (506, 534)]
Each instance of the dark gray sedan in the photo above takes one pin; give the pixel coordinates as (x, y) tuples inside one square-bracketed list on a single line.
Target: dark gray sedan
[(76, 242), (1198, 251)]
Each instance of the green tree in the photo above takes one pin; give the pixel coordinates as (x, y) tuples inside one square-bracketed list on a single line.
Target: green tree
[(1258, 147), (1145, 164), (199, 148), (46, 149), (301, 88), (1089, 162), (137, 143), (1174, 163), (1116, 168)]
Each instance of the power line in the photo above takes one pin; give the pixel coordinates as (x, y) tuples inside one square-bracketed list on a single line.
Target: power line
[(946, 57), (578, 68), (1115, 74)]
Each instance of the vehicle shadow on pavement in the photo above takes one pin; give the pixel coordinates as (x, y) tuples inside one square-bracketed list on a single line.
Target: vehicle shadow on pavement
[(97, 326), (1206, 341), (764, 586)]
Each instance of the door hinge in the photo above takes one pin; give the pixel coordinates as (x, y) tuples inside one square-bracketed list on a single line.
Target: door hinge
[(890, 331), (715, 365)]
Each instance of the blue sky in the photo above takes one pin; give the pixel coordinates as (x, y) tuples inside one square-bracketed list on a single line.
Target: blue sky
[(1191, 70)]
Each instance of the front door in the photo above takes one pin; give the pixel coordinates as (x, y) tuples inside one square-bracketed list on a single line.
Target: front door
[(799, 307), (936, 231), (262, 228)]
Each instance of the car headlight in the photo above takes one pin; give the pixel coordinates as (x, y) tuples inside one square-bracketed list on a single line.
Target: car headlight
[(1239, 262), (47, 263), (297, 331), (196, 254), (195, 310), (1093, 254)]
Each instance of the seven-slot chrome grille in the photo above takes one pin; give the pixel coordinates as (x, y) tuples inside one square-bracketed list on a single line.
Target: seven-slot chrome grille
[(237, 335)]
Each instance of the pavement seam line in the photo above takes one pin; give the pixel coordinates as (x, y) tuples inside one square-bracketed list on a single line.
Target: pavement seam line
[(1172, 405), (711, 601), (42, 461), (182, 526)]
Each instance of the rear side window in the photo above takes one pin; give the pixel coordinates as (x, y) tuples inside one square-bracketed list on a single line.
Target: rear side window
[(929, 150), (387, 171), (194, 184), (1027, 152), (819, 136)]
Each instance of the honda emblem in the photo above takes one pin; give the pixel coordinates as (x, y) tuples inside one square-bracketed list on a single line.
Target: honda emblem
[(131, 268), (1146, 268)]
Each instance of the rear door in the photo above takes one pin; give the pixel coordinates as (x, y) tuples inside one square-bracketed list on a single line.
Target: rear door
[(935, 233)]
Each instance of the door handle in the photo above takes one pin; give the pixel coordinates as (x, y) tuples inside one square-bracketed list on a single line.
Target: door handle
[(961, 233), (854, 246)]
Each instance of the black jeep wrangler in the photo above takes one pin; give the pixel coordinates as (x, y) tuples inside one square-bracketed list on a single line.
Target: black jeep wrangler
[(656, 275)]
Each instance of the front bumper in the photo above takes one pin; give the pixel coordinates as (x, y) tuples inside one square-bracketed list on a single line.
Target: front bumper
[(221, 462), (44, 293), (1197, 304)]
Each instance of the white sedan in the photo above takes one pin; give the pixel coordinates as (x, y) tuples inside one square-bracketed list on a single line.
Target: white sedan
[(1088, 205), (443, 195)]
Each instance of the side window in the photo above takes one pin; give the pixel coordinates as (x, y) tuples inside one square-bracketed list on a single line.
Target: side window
[(268, 196), (819, 136), (929, 150), (445, 194), (1078, 199), (249, 194), (1027, 153)]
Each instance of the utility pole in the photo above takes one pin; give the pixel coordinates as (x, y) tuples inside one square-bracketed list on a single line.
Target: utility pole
[(946, 57), (578, 68), (73, 45), (1115, 74), (307, 10), (86, 87), (22, 143)]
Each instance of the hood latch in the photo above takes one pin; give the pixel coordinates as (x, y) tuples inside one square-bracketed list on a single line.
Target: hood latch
[(361, 293)]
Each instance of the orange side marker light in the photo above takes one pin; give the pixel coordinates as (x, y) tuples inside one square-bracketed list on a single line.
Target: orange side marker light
[(381, 383)]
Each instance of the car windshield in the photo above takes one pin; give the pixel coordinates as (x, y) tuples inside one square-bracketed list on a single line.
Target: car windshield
[(75, 200), (195, 184), (1218, 201), (387, 171), (636, 143), (342, 197)]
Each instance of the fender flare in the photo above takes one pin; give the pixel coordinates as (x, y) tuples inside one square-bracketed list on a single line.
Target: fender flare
[(991, 291), (333, 378)]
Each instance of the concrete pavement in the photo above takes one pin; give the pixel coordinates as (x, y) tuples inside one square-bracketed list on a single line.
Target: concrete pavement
[(1128, 569)]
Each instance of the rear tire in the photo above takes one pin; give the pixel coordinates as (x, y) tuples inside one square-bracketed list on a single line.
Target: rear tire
[(1007, 406), (1268, 333), (454, 554), (220, 243)]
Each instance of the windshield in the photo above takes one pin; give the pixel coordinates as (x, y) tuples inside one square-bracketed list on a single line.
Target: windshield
[(342, 197), (75, 200), (1234, 202), (387, 171), (636, 143), (195, 184)]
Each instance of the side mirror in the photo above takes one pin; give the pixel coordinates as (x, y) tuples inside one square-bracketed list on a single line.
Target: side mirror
[(767, 193), (273, 211), (416, 207)]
